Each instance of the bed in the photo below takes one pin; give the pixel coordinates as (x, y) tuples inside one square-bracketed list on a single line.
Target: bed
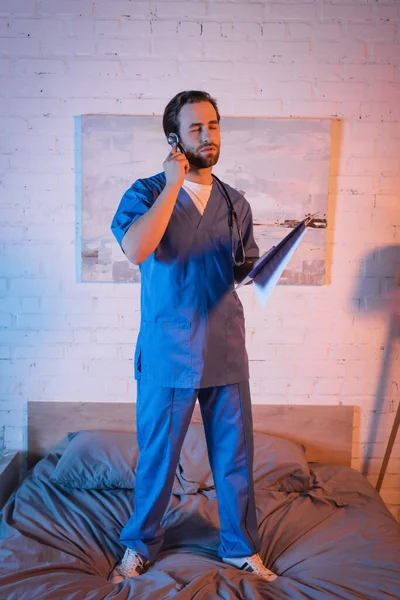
[(323, 528)]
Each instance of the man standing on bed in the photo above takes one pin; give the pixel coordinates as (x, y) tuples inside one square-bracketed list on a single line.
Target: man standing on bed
[(190, 246)]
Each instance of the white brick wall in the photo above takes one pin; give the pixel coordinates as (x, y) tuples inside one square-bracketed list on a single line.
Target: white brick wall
[(61, 340)]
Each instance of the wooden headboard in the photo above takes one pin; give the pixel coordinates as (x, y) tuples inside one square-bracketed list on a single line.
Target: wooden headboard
[(326, 431)]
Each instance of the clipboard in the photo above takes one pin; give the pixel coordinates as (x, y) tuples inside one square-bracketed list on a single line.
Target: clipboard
[(269, 267)]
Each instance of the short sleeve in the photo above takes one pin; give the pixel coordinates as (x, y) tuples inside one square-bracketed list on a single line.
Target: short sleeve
[(250, 246), (134, 203)]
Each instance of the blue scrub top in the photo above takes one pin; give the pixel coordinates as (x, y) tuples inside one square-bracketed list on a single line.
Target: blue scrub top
[(192, 331)]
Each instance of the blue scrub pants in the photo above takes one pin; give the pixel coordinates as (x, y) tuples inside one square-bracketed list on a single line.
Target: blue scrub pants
[(162, 419)]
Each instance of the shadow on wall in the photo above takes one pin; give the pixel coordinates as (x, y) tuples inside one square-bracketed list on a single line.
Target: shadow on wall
[(378, 292)]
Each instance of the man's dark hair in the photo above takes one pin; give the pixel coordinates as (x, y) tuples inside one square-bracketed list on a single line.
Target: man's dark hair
[(174, 106)]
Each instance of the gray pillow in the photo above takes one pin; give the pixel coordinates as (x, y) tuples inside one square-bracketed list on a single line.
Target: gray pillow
[(98, 460), (101, 460), (279, 464)]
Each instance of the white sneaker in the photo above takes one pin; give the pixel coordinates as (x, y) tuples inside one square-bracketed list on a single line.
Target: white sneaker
[(130, 565), (252, 564)]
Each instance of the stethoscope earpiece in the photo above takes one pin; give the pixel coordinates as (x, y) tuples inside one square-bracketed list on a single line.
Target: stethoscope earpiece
[(172, 139)]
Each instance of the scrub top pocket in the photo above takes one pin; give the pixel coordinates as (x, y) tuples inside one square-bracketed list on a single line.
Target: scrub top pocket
[(166, 353)]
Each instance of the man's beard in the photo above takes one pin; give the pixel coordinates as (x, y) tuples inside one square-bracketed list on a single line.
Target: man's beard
[(201, 161)]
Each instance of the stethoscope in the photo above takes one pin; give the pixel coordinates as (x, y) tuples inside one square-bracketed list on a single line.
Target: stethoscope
[(232, 216)]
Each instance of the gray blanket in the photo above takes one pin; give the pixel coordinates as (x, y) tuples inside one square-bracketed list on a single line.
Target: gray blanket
[(336, 540)]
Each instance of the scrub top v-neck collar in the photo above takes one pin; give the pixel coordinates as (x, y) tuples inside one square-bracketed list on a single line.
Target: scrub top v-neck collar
[(199, 193), (191, 212)]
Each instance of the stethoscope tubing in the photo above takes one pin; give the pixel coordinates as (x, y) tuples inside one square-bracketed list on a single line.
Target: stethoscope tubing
[(231, 216)]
